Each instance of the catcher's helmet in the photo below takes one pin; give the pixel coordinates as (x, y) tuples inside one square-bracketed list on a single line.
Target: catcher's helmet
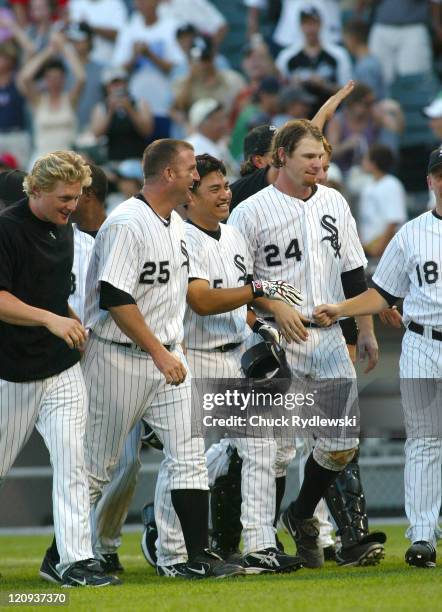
[(150, 438), (266, 364)]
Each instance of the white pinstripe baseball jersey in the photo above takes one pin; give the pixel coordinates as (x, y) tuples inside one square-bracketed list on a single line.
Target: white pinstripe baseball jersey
[(411, 268), (224, 264), (144, 255), (83, 245), (307, 243)]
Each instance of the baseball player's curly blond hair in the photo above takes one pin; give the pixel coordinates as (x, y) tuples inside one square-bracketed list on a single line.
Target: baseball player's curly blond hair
[(288, 137), (65, 166)]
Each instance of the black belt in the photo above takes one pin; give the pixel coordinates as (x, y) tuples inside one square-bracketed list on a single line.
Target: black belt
[(417, 328), (225, 348), (131, 345)]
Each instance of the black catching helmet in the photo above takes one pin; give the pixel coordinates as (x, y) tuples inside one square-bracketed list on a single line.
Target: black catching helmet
[(266, 364)]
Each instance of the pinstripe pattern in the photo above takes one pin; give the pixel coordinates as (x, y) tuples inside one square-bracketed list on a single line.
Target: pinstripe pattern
[(404, 272), (57, 408), (308, 244), (214, 260), (83, 245), (131, 243), (145, 256)]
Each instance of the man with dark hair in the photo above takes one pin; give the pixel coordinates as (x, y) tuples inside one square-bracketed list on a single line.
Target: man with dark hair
[(91, 213), (11, 187), (382, 206), (306, 232)]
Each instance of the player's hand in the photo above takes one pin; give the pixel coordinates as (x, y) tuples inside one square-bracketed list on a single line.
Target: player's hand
[(392, 317), (368, 347), (69, 330), (168, 364), (277, 290), (326, 314), (290, 323), (329, 107)]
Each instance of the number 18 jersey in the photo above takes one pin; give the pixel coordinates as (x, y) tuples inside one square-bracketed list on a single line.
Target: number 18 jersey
[(411, 267)]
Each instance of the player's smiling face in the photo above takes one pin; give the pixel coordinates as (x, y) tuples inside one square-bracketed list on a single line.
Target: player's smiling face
[(184, 174), (210, 203), (304, 165), (56, 206)]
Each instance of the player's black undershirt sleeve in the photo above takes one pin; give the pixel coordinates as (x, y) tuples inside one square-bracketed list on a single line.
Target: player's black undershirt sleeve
[(391, 299), (111, 296), (354, 282)]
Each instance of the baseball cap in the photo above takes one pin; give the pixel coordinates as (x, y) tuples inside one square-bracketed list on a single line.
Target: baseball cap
[(8, 161), (434, 110), (435, 160), (309, 12), (114, 74), (78, 32), (11, 186), (258, 141), (130, 169), (293, 93), (202, 109)]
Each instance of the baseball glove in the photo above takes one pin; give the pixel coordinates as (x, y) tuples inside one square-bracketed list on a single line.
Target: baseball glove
[(277, 290)]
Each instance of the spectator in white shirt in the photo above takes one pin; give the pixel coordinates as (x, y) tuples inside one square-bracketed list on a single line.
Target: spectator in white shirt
[(382, 206), (106, 18), (202, 14), (147, 47)]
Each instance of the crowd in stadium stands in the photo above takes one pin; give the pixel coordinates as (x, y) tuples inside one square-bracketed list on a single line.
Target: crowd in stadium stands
[(106, 77)]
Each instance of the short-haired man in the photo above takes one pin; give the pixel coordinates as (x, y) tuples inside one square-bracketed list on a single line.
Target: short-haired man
[(134, 363), (41, 382), (216, 331), (410, 269), (306, 234)]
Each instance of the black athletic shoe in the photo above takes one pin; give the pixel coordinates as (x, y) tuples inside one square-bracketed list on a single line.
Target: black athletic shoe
[(179, 570), (421, 554), (270, 561), (150, 534), (48, 569), (305, 533), (369, 553), (110, 563), (231, 556), (210, 565), (87, 573)]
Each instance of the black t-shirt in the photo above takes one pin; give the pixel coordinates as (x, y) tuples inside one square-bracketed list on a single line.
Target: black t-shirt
[(35, 266), (248, 185)]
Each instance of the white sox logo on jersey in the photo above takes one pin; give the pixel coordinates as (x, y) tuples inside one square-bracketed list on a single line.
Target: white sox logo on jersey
[(327, 223), (186, 255), (239, 263)]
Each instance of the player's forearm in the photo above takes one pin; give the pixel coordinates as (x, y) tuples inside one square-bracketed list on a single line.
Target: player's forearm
[(16, 312), (131, 322), (367, 303), (218, 301), (365, 324)]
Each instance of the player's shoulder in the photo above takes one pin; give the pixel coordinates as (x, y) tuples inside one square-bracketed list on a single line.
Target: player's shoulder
[(81, 238), (130, 213), (261, 197)]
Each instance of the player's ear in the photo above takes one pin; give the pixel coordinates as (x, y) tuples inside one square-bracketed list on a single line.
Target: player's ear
[(429, 182), (169, 174), (282, 155)]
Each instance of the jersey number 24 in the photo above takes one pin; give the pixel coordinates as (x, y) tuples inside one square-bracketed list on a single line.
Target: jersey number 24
[(273, 255)]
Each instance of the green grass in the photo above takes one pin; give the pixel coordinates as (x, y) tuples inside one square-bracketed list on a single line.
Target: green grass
[(390, 586)]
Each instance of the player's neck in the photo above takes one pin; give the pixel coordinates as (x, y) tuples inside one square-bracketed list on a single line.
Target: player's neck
[(159, 201), (285, 185), (438, 208), (207, 224)]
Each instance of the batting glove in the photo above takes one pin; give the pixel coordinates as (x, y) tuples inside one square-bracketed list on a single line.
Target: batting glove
[(266, 331), (277, 290)]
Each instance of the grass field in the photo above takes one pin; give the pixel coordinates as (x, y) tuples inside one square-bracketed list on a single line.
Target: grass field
[(389, 586)]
